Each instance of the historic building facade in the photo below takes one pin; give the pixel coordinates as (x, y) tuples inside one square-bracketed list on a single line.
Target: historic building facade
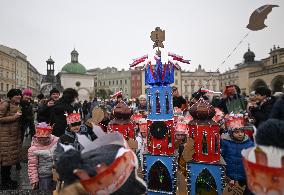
[(253, 73), (33, 79), (7, 70), (192, 81), (136, 82), (16, 71), (112, 80)]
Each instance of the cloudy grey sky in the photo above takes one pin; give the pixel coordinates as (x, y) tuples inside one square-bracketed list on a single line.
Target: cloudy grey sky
[(112, 32)]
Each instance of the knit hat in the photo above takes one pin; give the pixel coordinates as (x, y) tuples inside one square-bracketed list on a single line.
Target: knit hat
[(28, 92), (53, 90), (40, 96), (69, 95), (271, 133), (13, 92)]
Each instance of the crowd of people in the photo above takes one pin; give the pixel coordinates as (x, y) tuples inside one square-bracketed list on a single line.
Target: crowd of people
[(55, 121)]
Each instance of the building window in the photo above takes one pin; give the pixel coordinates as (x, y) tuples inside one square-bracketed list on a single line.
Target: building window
[(274, 59), (2, 86), (7, 87), (113, 82), (117, 82), (176, 82), (125, 81), (121, 82), (104, 83), (185, 81), (1, 73), (109, 82)]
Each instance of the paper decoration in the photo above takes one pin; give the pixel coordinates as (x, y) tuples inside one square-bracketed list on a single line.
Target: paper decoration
[(261, 178), (43, 130), (97, 116), (158, 36), (73, 119), (257, 18), (109, 178)]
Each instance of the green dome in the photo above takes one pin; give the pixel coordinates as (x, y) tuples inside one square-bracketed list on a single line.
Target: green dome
[(74, 67)]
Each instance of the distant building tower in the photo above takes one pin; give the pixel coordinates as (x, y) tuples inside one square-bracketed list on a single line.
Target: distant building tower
[(49, 80), (50, 69)]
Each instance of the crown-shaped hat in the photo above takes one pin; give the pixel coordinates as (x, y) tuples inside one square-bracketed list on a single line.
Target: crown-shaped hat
[(73, 119), (143, 125), (136, 117), (181, 128), (107, 165), (234, 121), (43, 130), (261, 176)]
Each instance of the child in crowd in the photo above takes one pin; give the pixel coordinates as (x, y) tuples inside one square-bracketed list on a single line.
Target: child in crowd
[(141, 139), (232, 143), (74, 126), (40, 158), (181, 133)]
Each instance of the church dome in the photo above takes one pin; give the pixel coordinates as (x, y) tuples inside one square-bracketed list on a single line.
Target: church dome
[(74, 66), (249, 56)]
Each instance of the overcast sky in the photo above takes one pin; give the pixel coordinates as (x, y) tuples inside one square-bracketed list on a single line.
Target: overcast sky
[(112, 32)]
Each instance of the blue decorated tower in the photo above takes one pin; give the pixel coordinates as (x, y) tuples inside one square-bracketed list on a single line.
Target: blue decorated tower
[(159, 165)]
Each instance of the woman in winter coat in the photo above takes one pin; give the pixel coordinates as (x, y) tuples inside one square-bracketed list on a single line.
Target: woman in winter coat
[(262, 110), (10, 136), (40, 158)]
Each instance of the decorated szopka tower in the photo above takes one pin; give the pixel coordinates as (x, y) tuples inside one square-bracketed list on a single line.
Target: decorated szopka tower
[(205, 172), (159, 162)]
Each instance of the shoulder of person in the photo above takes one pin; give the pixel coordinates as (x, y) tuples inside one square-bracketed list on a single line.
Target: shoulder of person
[(4, 104)]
